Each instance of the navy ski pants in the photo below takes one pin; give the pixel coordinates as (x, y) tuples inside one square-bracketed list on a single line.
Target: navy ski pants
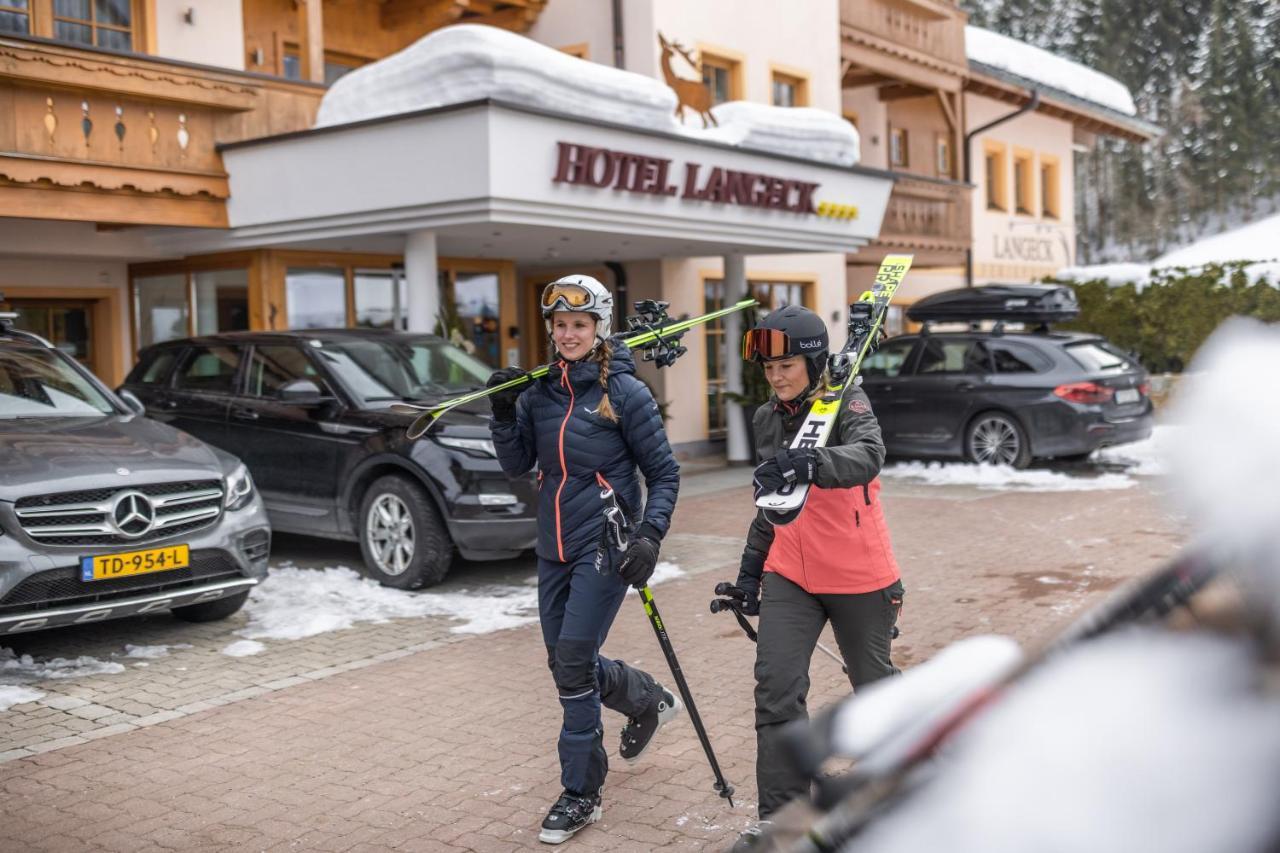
[(576, 605)]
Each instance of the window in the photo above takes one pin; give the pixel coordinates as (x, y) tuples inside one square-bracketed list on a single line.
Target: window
[(221, 301), (1009, 357), (157, 370), (1049, 183), (721, 77), (952, 356), (469, 312), (317, 298), (995, 159), (211, 369), (15, 17), (770, 295), (790, 90), (897, 147), (380, 299), (38, 383), (1022, 185), (291, 62), (889, 360), (161, 308), (103, 23), (338, 65), (1100, 357), (851, 117), (272, 367), (943, 157)]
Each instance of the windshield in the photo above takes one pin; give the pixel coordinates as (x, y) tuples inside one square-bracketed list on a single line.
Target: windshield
[(1100, 357), (37, 383), (386, 370)]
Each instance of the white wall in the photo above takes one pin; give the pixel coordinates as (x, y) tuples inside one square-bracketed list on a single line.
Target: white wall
[(1007, 246), (564, 23), (215, 38)]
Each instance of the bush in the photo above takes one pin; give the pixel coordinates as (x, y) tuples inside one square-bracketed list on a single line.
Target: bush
[(1168, 320)]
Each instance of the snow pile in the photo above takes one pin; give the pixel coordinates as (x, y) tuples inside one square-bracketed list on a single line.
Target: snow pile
[(1227, 458), (470, 62), (797, 131), (10, 696), (151, 652), (294, 603), (26, 668), (1001, 477), (1256, 244), (933, 688), (1044, 67), (1146, 458), (243, 648), (1139, 741)]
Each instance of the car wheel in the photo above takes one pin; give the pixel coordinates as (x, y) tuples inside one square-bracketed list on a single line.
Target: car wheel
[(212, 611), (404, 542), (994, 438)]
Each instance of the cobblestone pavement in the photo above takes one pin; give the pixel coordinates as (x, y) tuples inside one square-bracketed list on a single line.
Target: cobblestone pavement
[(405, 736)]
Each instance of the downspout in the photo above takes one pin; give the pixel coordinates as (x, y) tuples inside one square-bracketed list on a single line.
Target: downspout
[(968, 165), (621, 305), (619, 50)]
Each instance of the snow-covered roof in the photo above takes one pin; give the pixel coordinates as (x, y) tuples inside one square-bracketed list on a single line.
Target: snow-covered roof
[(1257, 244), (1041, 66), (471, 62)]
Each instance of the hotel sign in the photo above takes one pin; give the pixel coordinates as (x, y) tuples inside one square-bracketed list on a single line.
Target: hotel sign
[(586, 165)]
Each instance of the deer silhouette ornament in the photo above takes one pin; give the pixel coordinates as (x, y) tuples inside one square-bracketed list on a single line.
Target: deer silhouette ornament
[(693, 94)]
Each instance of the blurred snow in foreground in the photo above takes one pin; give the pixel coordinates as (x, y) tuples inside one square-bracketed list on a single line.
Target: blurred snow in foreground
[(1002, 477)]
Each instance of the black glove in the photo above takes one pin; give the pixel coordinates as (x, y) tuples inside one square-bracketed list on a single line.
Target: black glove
[(503, 403), (640, 559), (747, 589), (789, 466)]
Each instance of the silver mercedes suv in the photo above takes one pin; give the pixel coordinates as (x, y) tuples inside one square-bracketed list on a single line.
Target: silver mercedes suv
[(104, 513)]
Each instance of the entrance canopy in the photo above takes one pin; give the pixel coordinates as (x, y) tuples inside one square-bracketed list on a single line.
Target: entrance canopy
[(499, 180)]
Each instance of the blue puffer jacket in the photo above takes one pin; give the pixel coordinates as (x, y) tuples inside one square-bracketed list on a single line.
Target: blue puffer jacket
[(556, 427)]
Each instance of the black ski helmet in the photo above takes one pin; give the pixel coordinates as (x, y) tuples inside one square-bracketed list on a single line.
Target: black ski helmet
[(789, 331)]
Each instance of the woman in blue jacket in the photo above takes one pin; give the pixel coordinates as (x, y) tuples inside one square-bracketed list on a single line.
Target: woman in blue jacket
[(588, 423)]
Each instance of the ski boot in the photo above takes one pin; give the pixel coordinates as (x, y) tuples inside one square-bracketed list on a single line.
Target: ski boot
[(569, 814), (753, 838), (639, 731)]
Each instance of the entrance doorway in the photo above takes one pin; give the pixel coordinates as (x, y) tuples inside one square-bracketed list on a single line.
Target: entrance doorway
[(66, 323)]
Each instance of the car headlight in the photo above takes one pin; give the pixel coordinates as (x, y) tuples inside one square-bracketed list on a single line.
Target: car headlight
[(475, 445), (239, 488)]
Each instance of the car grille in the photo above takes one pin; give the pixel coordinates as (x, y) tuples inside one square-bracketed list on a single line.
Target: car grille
[(86, 517), (63, 587)]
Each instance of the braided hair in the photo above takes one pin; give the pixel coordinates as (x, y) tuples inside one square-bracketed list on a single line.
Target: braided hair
[(603, 355)]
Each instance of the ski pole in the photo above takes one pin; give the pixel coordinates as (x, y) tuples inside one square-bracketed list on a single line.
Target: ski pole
[(721, 604), (721, 787)]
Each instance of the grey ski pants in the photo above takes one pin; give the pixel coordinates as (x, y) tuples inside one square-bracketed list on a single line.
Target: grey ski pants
[(791, 620)]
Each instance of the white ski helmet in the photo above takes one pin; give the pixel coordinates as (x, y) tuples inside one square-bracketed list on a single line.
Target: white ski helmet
[(580, 293)]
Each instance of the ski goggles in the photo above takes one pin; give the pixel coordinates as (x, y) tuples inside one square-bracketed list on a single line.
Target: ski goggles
[(566, 296), (766, 345)]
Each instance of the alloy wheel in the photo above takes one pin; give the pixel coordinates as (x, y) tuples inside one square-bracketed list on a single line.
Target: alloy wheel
[(389, 529), (994, 441)]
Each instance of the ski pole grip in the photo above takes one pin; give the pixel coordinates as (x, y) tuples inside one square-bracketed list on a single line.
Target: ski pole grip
[(723, 588)]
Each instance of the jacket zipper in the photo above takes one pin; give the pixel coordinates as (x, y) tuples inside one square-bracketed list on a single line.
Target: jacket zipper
[(564, 470)]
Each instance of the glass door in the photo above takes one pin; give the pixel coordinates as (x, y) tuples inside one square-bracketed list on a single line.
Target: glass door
[(66, 323)]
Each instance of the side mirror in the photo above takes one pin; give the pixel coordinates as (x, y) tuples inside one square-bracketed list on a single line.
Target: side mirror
[(300, 392), (131, 400)]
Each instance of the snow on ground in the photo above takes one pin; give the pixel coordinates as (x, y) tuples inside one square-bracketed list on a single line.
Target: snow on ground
[(1147, 458), (1002, 477), (1257, 243), (11, 695), (24, 668), (243, 648), (151, 652), (293, 603), (471, 62), (1050, 69)]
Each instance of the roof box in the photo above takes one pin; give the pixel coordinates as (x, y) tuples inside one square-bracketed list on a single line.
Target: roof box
[(1012, 303)]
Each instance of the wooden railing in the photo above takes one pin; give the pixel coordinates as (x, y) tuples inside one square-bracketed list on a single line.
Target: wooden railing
[(96, 136), (931, 29), (928, 214)]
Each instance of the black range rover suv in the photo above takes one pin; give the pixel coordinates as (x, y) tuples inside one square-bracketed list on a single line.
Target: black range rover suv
[(310, 412)]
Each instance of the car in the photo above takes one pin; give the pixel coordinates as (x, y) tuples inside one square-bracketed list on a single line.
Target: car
[(106, 514), (1004, 397), (313, 414)]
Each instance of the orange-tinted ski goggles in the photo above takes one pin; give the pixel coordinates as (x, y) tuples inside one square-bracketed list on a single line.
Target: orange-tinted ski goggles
[(566, 296), (765, 345)]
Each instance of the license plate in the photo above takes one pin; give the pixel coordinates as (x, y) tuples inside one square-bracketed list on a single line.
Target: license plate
[(1127, 395), (134, 563)]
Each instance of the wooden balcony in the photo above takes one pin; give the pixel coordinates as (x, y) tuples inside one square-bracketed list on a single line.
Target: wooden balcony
[(929, 217), (92, 135), (919, 42)]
